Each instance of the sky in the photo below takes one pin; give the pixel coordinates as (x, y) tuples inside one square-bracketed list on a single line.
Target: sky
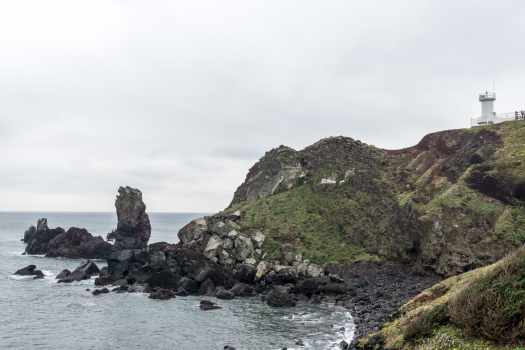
[(180, 98)]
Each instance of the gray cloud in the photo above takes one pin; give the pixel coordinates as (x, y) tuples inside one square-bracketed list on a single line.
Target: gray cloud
[(181, 98)]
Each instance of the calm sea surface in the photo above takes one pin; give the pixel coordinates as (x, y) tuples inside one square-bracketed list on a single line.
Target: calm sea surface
[(42, 314)]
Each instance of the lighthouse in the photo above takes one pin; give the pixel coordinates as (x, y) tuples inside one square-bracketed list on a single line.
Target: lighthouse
[(487, 108)]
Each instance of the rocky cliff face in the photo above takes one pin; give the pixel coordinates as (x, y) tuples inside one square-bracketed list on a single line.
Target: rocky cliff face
[(133, 228), (451, 203)]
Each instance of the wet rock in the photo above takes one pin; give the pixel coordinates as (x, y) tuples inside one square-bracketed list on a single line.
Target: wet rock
[(30, 270), (162, 294), (208, 305), (243, 290), (299, 342), (100, 291), (189, 285), (222, 293), (63, 274), (84, 271), (245, 273), (38, 238), (280, 297), (133, 227), (207, 288), (228, 347)]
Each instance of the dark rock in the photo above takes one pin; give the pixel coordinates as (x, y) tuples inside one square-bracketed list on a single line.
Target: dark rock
[(245, 273), (100, 291), (162, 294), (133, 228), (299, 342), (163, 279), (37, 239), (207, 288), (78, 243), (189, 285), (343, 345), (242, 290), (222, 293), (82, 272), (280, 297), (30, 270), (208, 305), (65, 273), (228, 347), (181, 292)]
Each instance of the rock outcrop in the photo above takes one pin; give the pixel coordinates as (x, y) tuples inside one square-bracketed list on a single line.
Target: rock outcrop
[(73, 243), (133, 228), (30, 270), (84, 271)]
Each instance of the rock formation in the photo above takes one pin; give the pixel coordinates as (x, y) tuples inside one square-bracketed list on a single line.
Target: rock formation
[(30, 270), (73, 243), (133, 228)]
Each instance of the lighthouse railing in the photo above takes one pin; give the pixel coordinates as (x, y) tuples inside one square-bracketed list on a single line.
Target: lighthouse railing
[(498, 118)]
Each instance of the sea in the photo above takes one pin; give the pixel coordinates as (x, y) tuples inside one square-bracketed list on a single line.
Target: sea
[(43, 314)]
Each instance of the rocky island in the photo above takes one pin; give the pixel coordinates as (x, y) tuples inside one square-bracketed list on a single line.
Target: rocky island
[(350, 223)]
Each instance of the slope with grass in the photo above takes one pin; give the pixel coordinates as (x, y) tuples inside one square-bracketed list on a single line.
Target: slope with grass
[(483, 309)]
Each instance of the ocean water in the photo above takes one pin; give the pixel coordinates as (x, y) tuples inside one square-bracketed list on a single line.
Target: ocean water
[(42, 314)]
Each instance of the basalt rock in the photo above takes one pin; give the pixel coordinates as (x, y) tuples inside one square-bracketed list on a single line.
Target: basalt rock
[(73, 243), (37, 238), (279, 296), (208, 305), (133, 228), (84, 271), (30, 270), (78, 243)]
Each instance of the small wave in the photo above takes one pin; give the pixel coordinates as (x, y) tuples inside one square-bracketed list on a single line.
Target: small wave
[(19, 277)]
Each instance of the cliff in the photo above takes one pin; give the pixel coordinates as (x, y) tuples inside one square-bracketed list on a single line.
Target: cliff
[(451, 203)]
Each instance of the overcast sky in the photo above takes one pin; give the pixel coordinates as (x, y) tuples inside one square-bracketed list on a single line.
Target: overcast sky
[(180, 98)]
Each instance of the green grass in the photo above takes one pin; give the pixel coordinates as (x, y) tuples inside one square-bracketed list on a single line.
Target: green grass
[(314, 222)]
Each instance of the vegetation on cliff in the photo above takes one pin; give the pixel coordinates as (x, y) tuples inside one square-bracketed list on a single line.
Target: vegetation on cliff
[(482, 309), (453, 202)]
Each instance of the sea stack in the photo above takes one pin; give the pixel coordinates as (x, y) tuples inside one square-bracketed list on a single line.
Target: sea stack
[(133, 228)]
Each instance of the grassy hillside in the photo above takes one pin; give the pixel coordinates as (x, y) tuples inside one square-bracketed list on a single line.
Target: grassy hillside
[(453, 202), (483, 309)]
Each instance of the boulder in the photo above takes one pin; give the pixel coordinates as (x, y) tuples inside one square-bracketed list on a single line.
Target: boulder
[(162, 294), (30, 270), (207, 288), (100, 291), (63, 274), (208, 305), (222, 293), (193, 232), (245, 273), (243, 248), (242, 290), (262, 269), (133, 227), (280, 297), (84, 271)]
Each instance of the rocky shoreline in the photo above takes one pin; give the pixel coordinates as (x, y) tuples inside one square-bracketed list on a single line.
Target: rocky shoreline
[(215, 258)]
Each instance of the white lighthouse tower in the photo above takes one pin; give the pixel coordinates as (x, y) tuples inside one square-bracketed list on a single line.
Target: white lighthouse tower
[(487, 108)]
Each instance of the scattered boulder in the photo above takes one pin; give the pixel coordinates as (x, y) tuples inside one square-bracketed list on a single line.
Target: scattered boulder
[(208, 305), (30, 270), (242, 290), (100, 291), (162, 294), (84, 271), (280, 297), (222, 293), (245, 273), (63, 274), (133, 227)]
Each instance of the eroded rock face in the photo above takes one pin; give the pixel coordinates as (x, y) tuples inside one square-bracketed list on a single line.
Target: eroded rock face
[(73, 243), (133, 228), (78, 243)]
